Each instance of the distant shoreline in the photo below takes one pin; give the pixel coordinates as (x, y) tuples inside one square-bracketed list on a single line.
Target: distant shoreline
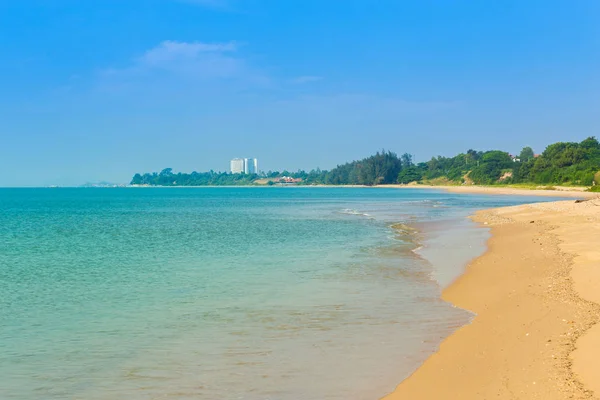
[(558, 191)]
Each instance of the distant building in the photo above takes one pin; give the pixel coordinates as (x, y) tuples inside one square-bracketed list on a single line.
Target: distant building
[(237, 165), (288, 179), (244, 165), (248, 166), (251, 165)]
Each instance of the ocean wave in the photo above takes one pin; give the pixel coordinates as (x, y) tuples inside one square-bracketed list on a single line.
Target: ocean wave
[(417, 250), (350, 211), (426, 203)]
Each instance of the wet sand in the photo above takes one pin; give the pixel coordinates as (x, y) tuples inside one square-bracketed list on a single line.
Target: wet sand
[(536, 295)]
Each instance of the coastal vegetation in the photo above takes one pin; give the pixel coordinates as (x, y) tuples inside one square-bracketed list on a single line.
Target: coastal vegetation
[(167, 177), (563, 163)]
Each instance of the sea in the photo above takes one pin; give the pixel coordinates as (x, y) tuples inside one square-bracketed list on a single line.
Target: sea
[(278, 293)]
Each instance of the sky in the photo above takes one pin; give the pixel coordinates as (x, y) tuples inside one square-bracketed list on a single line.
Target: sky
[(99, 90)]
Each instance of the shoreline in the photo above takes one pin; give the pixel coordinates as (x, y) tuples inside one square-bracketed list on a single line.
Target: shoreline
[(534, 293), (558, 191)]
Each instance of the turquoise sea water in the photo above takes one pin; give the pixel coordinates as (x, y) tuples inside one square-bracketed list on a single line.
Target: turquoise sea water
[(226, 293)]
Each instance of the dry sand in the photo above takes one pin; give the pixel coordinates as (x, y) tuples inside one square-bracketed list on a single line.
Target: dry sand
[(578, 192), (536, 293)]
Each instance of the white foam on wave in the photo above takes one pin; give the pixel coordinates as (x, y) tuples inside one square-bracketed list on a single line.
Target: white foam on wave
[(417, 250), (350, 211)]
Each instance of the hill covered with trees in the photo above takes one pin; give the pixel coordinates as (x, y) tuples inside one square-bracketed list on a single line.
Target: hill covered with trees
[(563, 163)]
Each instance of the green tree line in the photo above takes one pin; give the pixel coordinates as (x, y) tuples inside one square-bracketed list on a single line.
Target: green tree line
[(560, 163), (168, 178)]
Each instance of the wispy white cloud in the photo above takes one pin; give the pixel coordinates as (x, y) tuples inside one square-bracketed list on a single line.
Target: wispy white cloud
[(213, 72), (170, 53), (306, 79), (191, 61)]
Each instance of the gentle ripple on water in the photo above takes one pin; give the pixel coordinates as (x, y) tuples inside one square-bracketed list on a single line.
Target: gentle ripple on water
[(225, 293)]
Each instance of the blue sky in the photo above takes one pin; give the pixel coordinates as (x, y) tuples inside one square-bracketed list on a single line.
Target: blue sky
[(100, 90)]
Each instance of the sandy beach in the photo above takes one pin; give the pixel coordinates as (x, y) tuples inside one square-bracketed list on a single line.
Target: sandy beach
[(536, 296), (558, 191)]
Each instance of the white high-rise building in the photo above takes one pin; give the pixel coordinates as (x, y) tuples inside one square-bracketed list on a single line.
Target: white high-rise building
[(251, 165), (245, 165), (237, 165)]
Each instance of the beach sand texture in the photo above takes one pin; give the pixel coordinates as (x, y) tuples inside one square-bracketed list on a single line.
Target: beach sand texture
[(536, 293), (558, 191)]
